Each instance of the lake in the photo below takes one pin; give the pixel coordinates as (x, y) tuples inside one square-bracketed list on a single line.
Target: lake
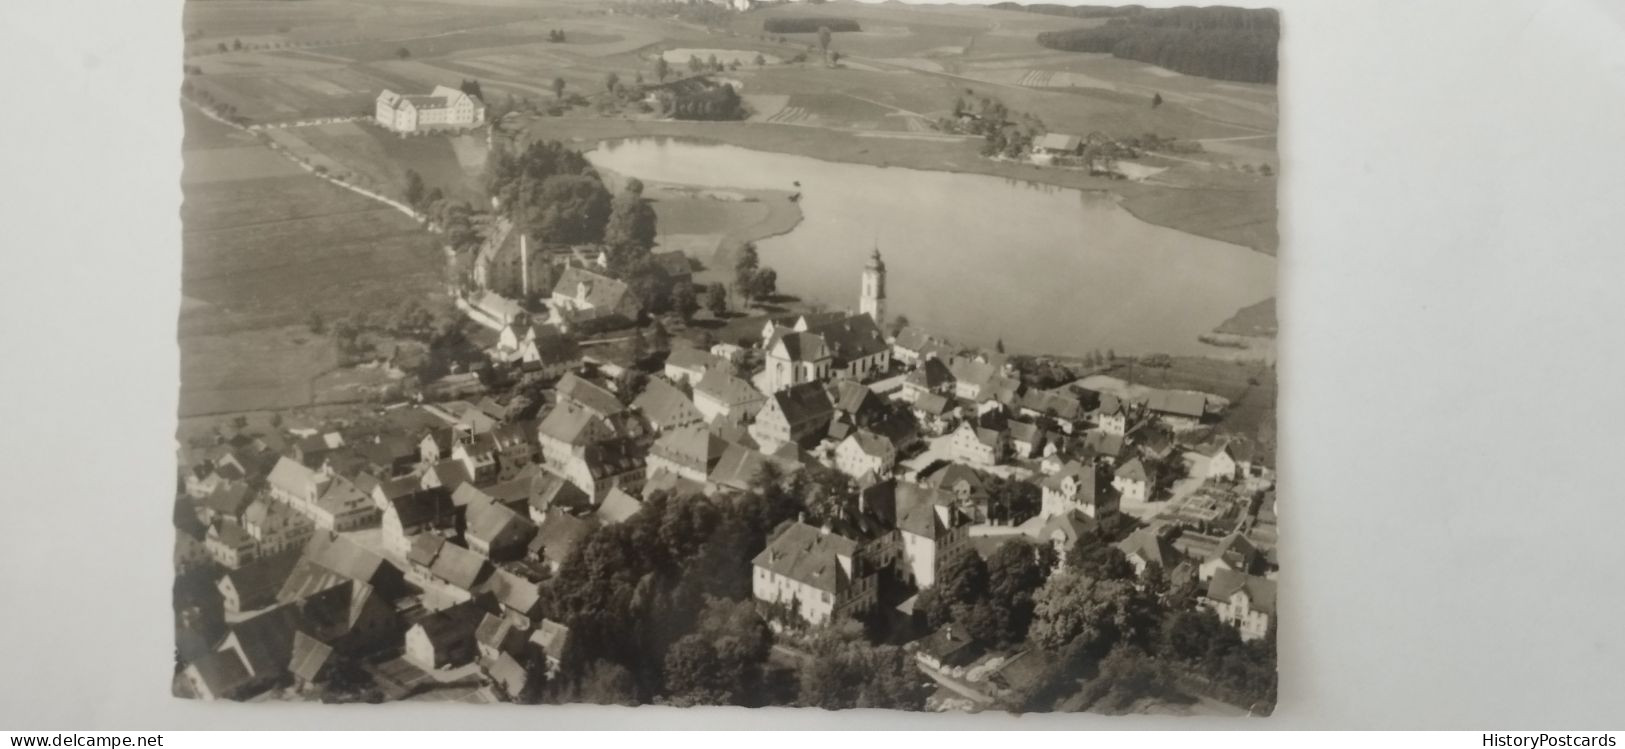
[(976, 258)]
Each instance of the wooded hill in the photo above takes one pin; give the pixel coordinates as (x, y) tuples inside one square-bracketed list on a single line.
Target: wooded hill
[(1232, 44)]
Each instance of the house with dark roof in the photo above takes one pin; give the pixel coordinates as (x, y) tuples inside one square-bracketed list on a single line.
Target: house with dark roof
[(1112, 416), (552, 492), (913, 345), (740, 466), (971, 376), (1066, 410), (219, 675), (798, 415), (1147, 546), (928, 377), (255, 584), (1079, 487), (560, 533), (1243, 601), (413, 514), (580, 290), (813, 574), (1181, 409), (460, 567), (932, 532), (589, 396), (445, 638), (617, 507), (1026, 439)]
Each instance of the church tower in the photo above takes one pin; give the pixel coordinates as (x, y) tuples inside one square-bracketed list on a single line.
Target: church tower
[(872, 300)]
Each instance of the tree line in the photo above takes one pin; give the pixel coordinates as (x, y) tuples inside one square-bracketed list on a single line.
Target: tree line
[(808, 25), (1233, 44)]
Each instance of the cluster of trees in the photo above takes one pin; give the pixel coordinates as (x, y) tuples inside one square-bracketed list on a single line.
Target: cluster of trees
[(1042, 373), (1135, 637), (991, 601), (435, 324), (710, 15), (808, 24), (1232, 44), (754, 280), (551, 191), (555, 35), (707, 101), (1073, 11)]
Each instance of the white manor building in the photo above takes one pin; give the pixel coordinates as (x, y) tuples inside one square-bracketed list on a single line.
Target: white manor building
[(444, 107)]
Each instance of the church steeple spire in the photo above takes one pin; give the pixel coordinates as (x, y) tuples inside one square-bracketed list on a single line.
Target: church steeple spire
[(872, 297)]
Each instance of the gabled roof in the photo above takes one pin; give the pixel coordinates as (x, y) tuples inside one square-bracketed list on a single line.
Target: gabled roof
[(1022, 431), (496, 526), (873, 444), (930, 513), (725, 388), (694, 447), (1098, 442), (309, 657), (852, 397), (571, 424), (617, 507), (933, 404), (550, 492), (222, 672), (258, 581), (1260, 591), (553, 637), (1068, 527), (664, 405), (803, 403), (1064, 407), (560, 533), (951, 475), (602, 292), (848, 339), (1151, 546), (913, 339), (1058, 142), (1177, 402), (810, 556), (342, 497), (459, 566), (966, 369), (345, 557), (449, 627), (514, 592), (307, 579), (695, 360), (930, 374), (588, 395), (291, 476), (228, 499), (424, 506), (1133, 470), (740, 465)]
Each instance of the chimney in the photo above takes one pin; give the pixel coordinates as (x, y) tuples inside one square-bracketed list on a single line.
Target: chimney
[(524, 267)]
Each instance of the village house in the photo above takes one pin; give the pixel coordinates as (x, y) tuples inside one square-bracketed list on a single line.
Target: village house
[(817, 575), (1078, 487), (797, 415), (913, 345), (1180, 409), (275, 527), (720, 396), (1066, 410), (552, 492), (689, 365), (665, 407), (740, 466), (690, 452), (935, 413), (444, 107), (1149, 546), (582, 292), (1051, 146), (496, 532), (928, 377), (342, 507), (1026, 439), (1062, 532), (423, 511), (1112, 416), (493, 310), (863, 452), (1132, 481), (617, 507), (932, 531), (293, 482), (445, 638), (978, 445), (1246, 602), (970, 487), (1213, 554), (971, 377)]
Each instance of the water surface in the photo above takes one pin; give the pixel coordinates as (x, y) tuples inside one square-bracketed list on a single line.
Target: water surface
[(977, 258)]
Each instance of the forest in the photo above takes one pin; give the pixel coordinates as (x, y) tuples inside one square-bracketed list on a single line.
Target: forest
[(1232, 44)]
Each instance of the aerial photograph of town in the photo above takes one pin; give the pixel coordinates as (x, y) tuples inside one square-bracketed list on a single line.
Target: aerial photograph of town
[(647, 352)]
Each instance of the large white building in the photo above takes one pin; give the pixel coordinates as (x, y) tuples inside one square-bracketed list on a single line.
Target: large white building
[(444, 107)]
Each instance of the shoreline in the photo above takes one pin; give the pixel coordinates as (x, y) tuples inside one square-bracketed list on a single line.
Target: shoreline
[(1163, 205)]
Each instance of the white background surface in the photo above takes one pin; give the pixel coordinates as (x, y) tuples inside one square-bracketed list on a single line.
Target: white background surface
[(1453, 196)]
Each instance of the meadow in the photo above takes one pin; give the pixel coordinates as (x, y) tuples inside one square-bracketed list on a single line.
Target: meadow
[(263, 249)]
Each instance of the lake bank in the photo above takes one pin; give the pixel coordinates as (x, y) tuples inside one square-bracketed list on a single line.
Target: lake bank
[(1088, 274), (1229, 207)]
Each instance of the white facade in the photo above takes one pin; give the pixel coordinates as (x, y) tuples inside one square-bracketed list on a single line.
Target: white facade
[(444, 107)]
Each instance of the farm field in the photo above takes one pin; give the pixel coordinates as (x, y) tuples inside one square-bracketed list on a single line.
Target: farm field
[(379, 159), (264, 246)]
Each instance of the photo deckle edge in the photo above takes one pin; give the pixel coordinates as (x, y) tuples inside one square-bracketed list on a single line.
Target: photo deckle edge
[(745, 353)]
